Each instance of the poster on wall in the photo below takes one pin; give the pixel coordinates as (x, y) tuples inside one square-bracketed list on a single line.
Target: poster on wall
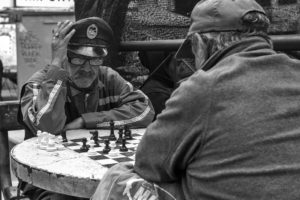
[(8, 52), (45, 3), (34, 36)]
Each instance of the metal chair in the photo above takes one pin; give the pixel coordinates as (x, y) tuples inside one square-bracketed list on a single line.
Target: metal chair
[(8, 121)]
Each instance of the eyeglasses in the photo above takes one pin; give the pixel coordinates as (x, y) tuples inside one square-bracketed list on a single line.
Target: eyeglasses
[(77, 59)]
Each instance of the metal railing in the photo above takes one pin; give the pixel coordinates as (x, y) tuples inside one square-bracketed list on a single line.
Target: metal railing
[(281, 43)]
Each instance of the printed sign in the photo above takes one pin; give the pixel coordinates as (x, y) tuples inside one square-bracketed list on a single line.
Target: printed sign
[(45, 3), (30, 48)]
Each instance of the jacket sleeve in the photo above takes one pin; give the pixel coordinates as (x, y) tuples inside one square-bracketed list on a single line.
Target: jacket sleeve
[(133, 107), (170, 141), (43, 99)]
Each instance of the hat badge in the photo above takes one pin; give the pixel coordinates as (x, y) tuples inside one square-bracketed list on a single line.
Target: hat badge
[(92, 31)]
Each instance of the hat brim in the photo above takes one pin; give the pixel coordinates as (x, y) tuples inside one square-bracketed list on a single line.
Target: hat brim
[(90, 51), (185, 50)]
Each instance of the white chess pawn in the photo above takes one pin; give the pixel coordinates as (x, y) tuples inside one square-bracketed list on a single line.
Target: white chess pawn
[(51, 145), (113, 145), (92, 151), (39, 134), (51, 136), (59, 139), (44, 140), (60, 147), (45, 136), (113, 152)]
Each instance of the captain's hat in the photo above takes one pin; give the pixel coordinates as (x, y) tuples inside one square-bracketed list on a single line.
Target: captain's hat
[(92, 32)]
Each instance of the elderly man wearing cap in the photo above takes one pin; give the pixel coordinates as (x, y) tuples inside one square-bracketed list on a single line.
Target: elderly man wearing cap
[(75, 91), (231, 130)]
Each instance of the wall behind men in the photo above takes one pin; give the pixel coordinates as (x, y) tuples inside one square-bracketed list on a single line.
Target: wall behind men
[(284, 15), (161, 19)]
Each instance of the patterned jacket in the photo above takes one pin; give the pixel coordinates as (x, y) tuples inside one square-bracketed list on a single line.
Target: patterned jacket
[(48, 102)]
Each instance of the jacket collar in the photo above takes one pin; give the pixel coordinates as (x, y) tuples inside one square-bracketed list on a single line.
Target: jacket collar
[(249, 44)]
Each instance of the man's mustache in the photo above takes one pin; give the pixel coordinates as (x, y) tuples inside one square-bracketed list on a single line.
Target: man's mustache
[(82, 73)]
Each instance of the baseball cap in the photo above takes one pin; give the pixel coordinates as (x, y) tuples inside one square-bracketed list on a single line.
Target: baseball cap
[(92, 32), (216, 16)]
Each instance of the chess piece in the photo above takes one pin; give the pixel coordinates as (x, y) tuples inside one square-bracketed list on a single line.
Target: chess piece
[(127, 133), (112, 131), (123, 147), (60, 146), (39, 137), (44, 141), (91, 151), (51, 146), (119, 141), (107, 148), (51, 136), (94, 137), (92, 133), (64, 136), (84, 146), (113, 145), (59, 139)]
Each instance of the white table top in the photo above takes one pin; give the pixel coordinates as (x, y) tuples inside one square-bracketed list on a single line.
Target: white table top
[(63, 171)]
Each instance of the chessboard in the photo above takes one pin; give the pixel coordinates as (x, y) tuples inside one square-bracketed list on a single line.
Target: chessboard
[(114, 156)]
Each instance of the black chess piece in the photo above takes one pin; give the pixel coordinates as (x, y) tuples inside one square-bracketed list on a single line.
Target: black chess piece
[(112, 130), (107, 148), (64, 136), (95, 137), (123, 147), (84, 146), (93, 134), (127, 133), (119, 141)]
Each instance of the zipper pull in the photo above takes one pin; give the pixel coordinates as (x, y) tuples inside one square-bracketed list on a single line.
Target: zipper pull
[(86, 101)]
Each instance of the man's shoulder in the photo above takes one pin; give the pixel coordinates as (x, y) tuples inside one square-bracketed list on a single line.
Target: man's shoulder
[(38, 76), (48, 72), (107, 74)]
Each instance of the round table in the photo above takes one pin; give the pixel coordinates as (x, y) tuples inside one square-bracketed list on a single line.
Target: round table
[(63, 171)]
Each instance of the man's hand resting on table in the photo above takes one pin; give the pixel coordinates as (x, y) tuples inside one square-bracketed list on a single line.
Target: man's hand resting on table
[(76, 124)]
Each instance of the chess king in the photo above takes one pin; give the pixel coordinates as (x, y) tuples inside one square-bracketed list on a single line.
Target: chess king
[(75, 90)]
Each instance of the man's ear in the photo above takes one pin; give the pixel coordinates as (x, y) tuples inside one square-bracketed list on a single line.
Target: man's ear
[(199, 49), (196, 42)]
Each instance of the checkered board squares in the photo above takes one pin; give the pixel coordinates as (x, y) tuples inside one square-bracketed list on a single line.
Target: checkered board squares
[(114, 156)]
